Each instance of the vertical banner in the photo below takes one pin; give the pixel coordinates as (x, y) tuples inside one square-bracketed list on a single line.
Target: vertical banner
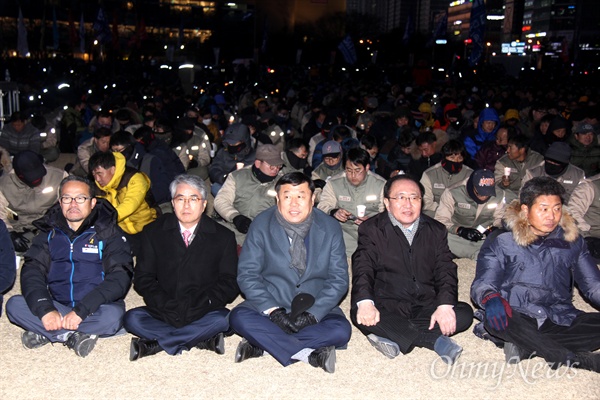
[(22, 46), (346, 47), (81, 34), (477, 30), (55, 37)]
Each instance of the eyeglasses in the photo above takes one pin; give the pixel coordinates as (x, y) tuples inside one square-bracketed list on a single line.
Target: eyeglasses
[(355, 171), (78, 199), (193, 200), (273, 167), (404, 198)]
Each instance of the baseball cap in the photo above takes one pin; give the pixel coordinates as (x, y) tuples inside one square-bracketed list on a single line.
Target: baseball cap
[(331, 147), (270, 154), (483, 181), (584, 128), (29, 167), (235, 133)]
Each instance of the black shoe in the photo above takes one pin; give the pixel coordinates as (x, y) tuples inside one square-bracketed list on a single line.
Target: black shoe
[(512, 353), (81, 343), (32, 340), (587, 361), (215, 343), (246, 350), (143, 348), (323, 358)]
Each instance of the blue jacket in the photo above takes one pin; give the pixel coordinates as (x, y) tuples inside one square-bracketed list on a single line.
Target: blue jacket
[(82, 269), (536, 276), (474, 142)]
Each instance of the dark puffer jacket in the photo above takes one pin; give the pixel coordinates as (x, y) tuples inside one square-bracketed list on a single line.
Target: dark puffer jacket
[(536, 275), (83, 269)]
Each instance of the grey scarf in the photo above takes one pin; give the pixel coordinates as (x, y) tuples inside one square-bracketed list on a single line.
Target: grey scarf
[(297, 232), (410, 235)]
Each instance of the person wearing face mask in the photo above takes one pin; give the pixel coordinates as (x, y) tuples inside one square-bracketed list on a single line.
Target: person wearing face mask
[(249, 190), (444, 174), (237, 151), (196, 143), (557, 166), (558, 131), (471, 210), (138, 158), (491, 152), (295, 157), (30, 188)]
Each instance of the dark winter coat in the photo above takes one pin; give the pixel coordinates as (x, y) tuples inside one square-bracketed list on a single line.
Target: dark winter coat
[(398, 276), (83, 269)]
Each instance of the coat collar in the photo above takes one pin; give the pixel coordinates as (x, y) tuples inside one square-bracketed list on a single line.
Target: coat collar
[(515, 220)]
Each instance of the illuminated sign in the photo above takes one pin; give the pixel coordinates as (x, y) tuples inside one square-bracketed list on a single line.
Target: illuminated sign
[(513, 47)]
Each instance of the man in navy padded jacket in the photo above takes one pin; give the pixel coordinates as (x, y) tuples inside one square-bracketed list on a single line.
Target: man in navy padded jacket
[(75, 275)]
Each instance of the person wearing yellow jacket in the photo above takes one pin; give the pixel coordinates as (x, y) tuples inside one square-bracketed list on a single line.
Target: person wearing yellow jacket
[(126, 189)]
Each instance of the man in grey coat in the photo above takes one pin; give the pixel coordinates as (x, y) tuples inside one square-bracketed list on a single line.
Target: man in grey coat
[(293, 273)]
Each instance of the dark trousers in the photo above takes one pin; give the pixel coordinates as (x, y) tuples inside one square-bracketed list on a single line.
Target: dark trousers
[(257, 328), (404, 330), (550, 341), (174, 340), (106, 321)]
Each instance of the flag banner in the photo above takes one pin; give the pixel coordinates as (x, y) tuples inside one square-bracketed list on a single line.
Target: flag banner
[(477, 30), (265, 39), (409, 30), (22, 46), (440, 24), (72, 31), (180, 33), (346, 47), (101, 28), (55, 37), (81, 35), (115, 31)]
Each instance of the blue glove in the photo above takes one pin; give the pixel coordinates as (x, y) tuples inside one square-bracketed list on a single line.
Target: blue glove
[(497, 311)]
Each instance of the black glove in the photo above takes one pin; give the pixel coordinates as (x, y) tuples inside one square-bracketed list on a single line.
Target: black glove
[(282, 320), (304, 319), (320, 183), (490, 230), (20, 242), (242, 223), (593, 245), (471, 234)]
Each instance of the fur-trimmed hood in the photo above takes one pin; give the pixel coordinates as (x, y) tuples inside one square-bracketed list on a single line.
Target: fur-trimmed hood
[(516, 221)]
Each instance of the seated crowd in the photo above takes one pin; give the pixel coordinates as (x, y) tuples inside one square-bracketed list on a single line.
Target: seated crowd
[(280, 201)]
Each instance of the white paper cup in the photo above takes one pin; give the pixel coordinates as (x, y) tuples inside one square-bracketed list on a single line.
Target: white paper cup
[(239, 165), (360, 210), (506, 171)]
